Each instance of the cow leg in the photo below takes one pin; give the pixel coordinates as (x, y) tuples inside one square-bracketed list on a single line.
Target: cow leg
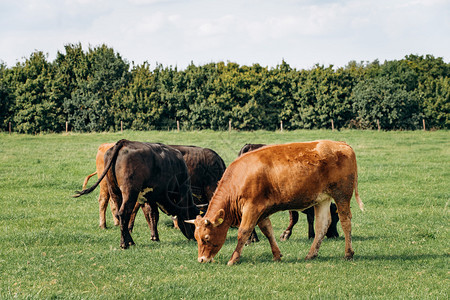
[(253, 238), (151, 214), (114, 210), (266, 228), (293, 219), (310, 218), (133, 216), (243, 235), (323, 220), (332, 230), (244, 232), (129, 201), (102, 204), (103, 200), (345, 217)]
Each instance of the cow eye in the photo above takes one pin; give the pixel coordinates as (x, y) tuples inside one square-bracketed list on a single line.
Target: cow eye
[(207, 237)]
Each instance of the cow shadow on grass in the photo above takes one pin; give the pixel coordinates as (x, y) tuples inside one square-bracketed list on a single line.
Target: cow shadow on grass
[(296, 258), (400, 257), (302, 239)]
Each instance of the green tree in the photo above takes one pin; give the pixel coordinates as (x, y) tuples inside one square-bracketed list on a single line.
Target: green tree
[(37, 95), (90, 106), (436, 103), (7, 100), (389, 102)]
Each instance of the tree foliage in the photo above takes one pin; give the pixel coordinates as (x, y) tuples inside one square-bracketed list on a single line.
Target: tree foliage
[(384, 101), (97, 90)]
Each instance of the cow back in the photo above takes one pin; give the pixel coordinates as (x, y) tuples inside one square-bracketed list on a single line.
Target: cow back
[(205, 168), (288, 176)]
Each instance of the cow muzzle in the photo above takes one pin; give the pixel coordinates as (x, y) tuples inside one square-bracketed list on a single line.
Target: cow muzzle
[(204, 259)]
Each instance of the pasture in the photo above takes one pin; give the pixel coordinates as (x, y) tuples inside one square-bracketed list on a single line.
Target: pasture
[(51, 245)]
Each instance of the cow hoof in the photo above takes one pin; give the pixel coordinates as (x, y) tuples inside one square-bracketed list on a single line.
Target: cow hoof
[(232, 262), (349, 256), (310, 257), (102, 226), (155, 239), (278, 257), (126, 245), (285, 235)]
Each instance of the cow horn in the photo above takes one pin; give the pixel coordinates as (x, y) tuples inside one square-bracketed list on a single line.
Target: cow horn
[(201, 205), (190, 221)]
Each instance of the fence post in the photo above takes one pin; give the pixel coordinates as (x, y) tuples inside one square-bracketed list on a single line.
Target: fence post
[(332, 125), (229, 125), (178, 126), (121, 126), (9, 127), (281, 126), (67, 127), (423, 121), (378, 124)]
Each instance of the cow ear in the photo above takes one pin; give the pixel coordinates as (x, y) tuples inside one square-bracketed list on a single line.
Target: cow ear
[(218, 218)]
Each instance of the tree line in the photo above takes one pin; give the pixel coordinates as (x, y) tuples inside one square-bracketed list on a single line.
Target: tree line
[(98, 90)]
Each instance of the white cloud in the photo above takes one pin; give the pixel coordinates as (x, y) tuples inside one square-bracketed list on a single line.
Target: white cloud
[(173, 32)]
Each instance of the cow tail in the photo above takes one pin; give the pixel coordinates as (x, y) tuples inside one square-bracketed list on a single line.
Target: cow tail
[(85, 182), (115, 150), (358, 199)]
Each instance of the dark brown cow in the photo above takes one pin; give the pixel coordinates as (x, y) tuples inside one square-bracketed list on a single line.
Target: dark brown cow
[(153, 174), (280, 177), (293, 215), (205, 168)]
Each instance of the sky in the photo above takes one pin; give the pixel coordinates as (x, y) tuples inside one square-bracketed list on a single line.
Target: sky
[(303, 33)]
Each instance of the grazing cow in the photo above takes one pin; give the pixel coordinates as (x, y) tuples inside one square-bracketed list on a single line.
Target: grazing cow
[(280, 177), (205, 168), (153, 174), (293, 215)]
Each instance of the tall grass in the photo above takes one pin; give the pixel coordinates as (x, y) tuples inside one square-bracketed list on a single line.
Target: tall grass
[(51, 246)]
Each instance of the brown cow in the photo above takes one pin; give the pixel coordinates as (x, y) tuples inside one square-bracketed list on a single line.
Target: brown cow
[(103, 197), (280, 177), (293, 214)]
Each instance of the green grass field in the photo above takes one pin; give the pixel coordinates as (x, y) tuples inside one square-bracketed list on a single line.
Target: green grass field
[(51, 245)]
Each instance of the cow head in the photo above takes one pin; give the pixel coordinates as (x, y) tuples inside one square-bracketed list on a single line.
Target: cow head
[(210, 234)]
